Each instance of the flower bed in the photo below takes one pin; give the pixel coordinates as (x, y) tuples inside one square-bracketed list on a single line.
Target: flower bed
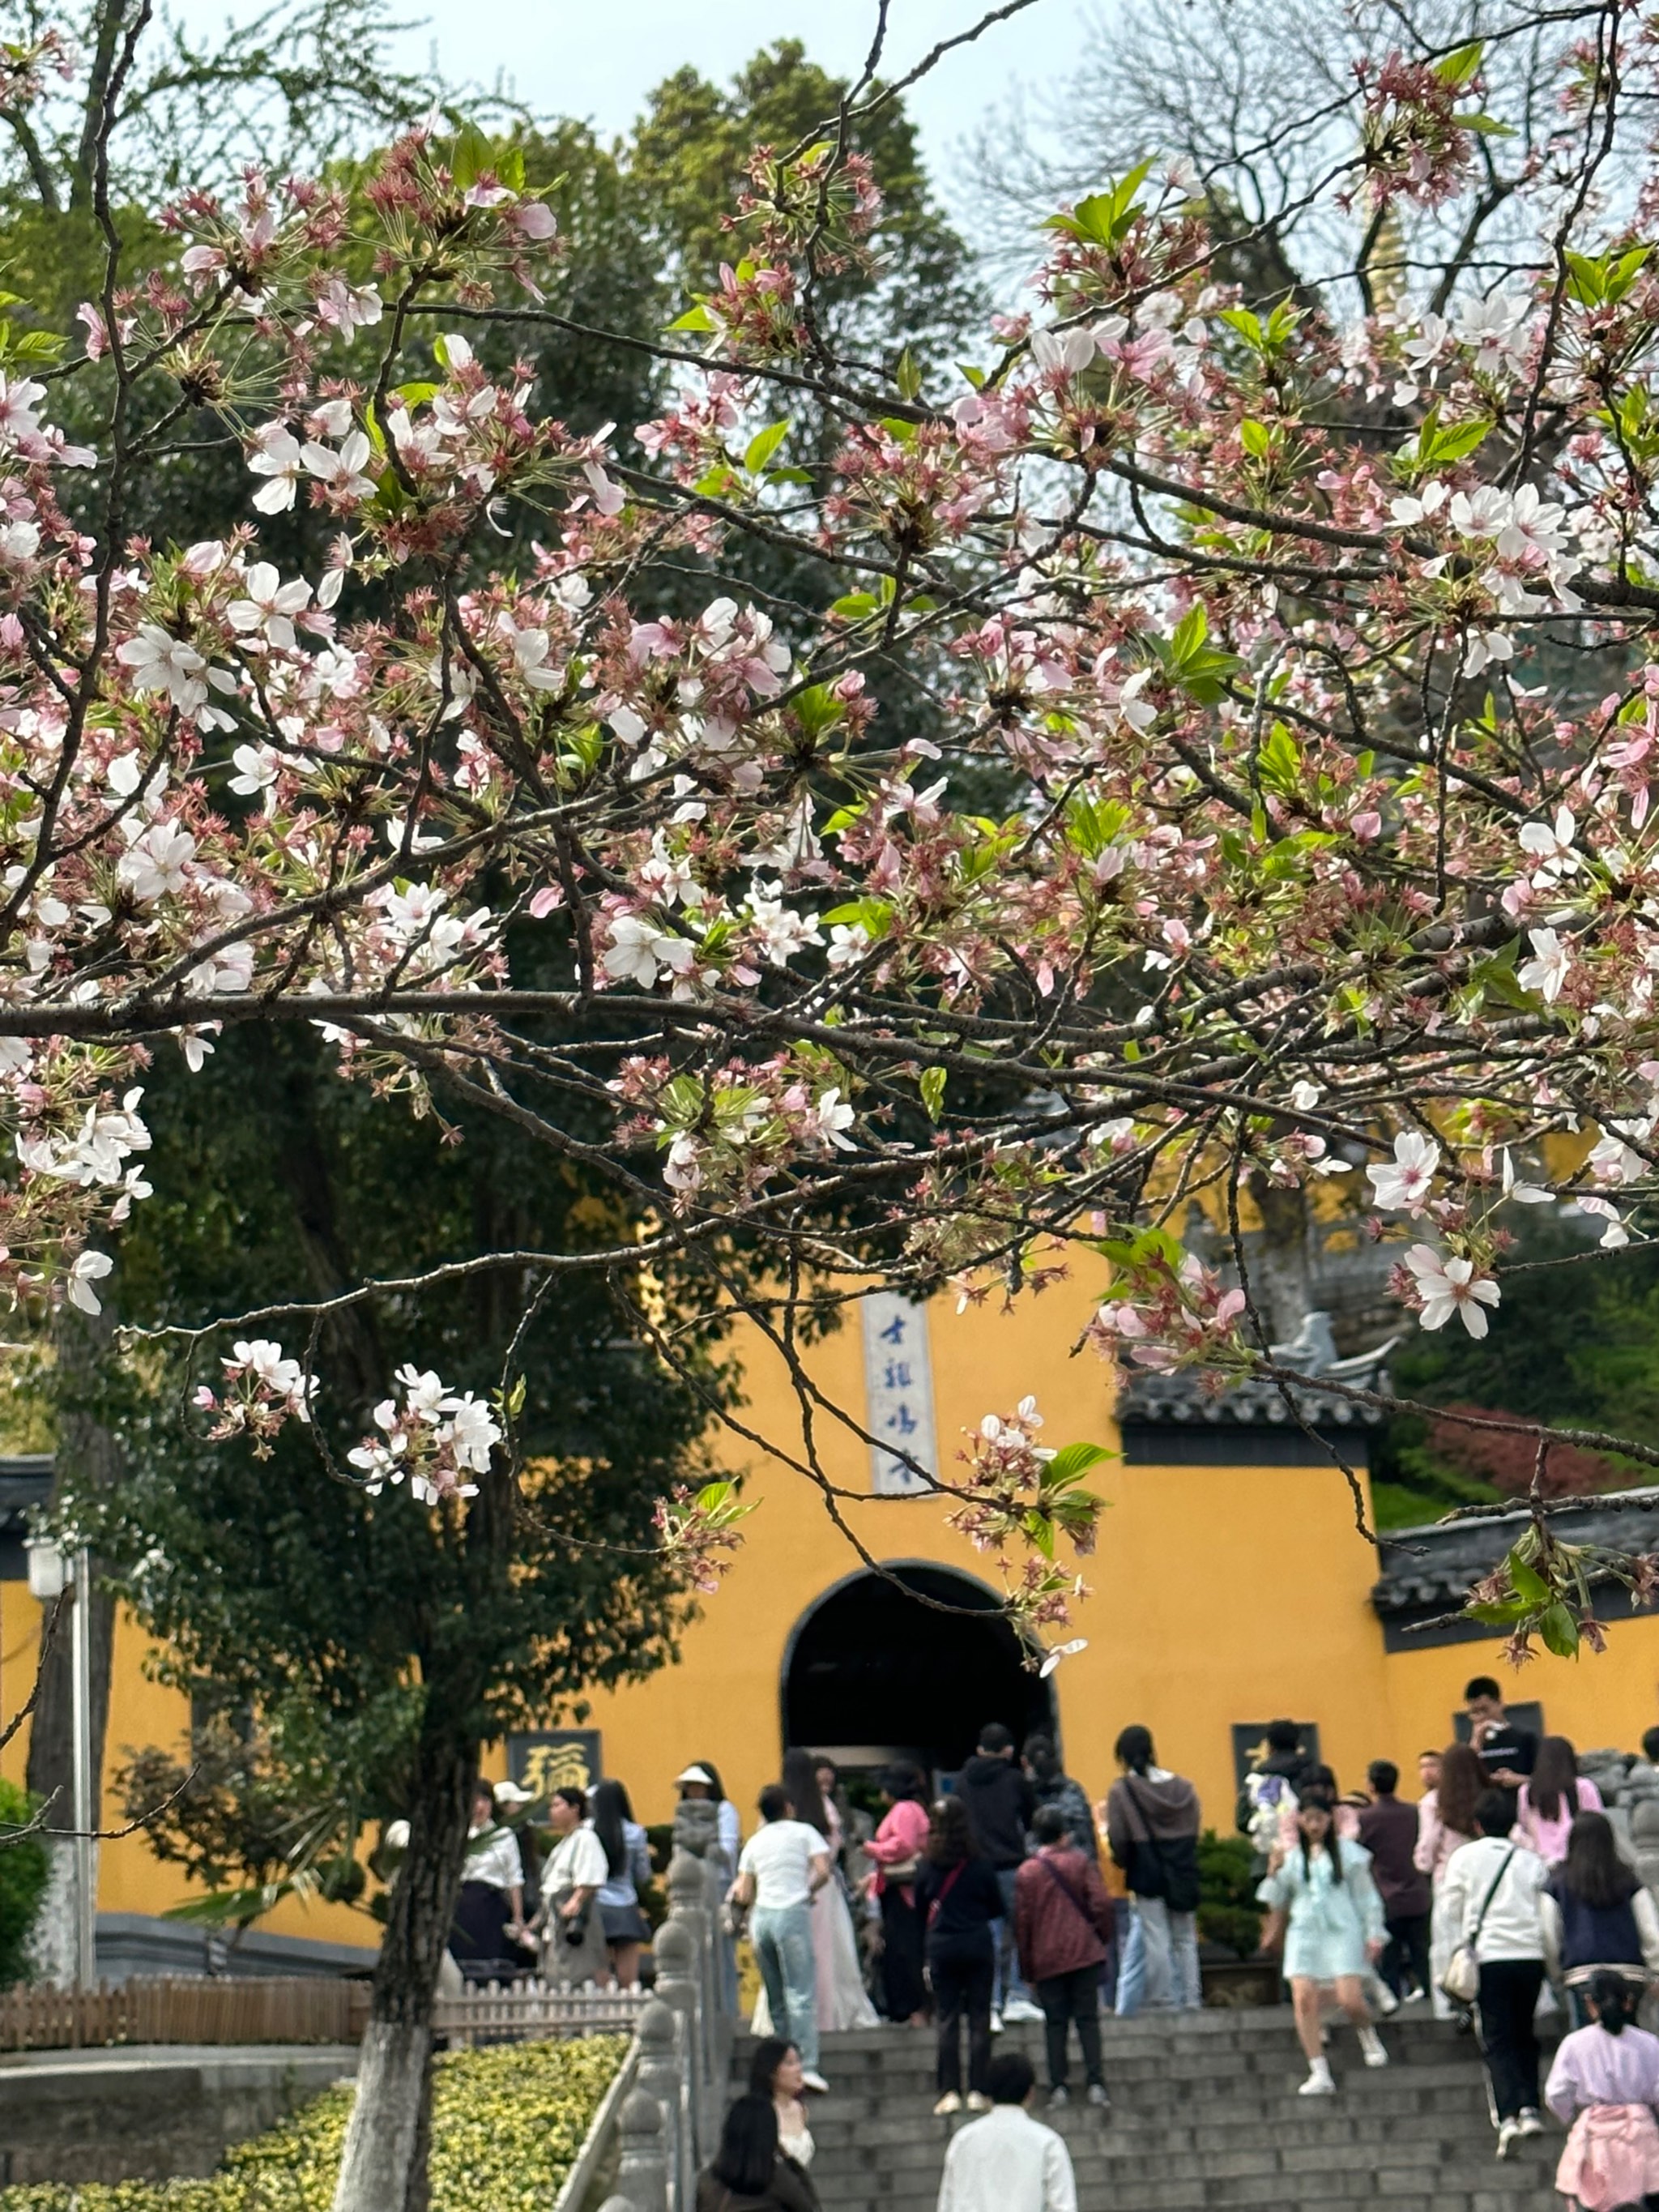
[(506, 2124)]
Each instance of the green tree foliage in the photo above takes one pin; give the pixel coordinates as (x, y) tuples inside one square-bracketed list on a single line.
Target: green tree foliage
[(1228, 1913), (687, 165), (23, 1873), (1572, 1344)]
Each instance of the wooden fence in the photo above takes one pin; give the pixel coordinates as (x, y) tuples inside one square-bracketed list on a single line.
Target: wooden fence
[(312, 2009)]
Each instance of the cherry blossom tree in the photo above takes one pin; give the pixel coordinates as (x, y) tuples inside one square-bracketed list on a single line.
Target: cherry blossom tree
[(1280, 814)]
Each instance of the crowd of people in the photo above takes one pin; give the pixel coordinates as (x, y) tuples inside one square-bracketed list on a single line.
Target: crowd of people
[(1500, 1893)]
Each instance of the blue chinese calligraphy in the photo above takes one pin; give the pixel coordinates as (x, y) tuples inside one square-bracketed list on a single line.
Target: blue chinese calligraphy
[(898, 1389)]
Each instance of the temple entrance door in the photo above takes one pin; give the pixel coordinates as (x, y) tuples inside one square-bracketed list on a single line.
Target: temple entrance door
[(872, 1673)]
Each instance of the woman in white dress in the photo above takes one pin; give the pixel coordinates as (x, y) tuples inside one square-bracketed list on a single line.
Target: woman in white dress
[(843, 2002)]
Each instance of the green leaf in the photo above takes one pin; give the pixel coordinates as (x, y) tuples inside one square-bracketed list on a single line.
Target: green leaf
[(1280, 763), (694, 318), (1071, 1461), (1039, 1530), (873, 916), (1497, 1616), (1458, 69), (907, 375), (763, 445), (931, 1087), (1190, 633), (1525, 1582), (855, 606), (411, 396), (473, 154), (1559, 1632), (1256, 440)]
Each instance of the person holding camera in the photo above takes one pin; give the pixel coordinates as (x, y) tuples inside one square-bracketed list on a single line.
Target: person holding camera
[(574, 1949)]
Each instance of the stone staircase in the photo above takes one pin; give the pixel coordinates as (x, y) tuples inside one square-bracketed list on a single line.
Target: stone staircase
[(1204, 2114)]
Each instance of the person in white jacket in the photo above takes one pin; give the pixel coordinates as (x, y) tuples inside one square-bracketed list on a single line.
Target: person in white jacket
[(1490, 1898), (1007, 2161)]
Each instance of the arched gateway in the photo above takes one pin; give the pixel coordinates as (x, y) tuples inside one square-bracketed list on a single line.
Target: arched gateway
[(873, 1672)]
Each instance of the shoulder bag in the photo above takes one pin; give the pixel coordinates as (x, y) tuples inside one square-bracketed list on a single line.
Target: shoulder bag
[(1462, 1979)]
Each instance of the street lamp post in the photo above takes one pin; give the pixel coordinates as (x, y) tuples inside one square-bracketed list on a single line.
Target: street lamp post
[(51, 1573)]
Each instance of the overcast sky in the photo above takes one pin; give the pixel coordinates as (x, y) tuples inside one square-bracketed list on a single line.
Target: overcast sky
[(598, 58)]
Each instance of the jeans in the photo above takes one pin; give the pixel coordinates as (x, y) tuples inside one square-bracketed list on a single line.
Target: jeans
[(1009, 1981), (1160, 1962), (1509, 2040), (782, 1936), (1131, 1966), (1405, 1961), (1065, 1998), (962, 1983)]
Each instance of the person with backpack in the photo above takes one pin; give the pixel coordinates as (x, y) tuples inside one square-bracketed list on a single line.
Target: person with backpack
[(1062, 1926), (1267, 1801), (1152, 1820), (1596, 1916), (1490, 1897), (1604, 2088), (961, 1904), (1322, 1894)]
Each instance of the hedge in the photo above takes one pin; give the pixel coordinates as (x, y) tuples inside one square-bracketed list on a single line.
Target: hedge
[(24, 1868), (506, 2124)]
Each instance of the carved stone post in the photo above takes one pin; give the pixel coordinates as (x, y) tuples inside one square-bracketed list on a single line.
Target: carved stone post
[(662, 2075), (677, 1988), (688, 1904), (642, 2176)]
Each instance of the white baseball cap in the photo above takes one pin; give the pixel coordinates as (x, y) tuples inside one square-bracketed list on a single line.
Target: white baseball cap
[(696, 1774), (509, 1793)]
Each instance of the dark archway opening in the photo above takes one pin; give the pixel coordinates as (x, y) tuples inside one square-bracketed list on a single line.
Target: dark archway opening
[(873, 1674)]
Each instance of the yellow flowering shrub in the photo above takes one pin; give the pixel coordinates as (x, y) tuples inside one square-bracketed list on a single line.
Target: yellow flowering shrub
[(506, 2124)]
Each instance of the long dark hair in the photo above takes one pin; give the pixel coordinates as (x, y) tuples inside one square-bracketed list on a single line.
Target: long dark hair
[(1594, 1871), (716, 1787), (801, 1782), (1462, 1785), (607, 1808), (1615, 2002), (749, 2146), (1554, 1777), (763, 2066), (1320, 1800), (950, 1835)]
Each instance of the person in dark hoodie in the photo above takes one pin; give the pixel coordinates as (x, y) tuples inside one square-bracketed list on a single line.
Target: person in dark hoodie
[(1152, 1822), (1000, 1800)]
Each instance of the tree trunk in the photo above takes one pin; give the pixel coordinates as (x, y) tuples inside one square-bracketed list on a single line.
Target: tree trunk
[(384, 2167), (87, 1458)]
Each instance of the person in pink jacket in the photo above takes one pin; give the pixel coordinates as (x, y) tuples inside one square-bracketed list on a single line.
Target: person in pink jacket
[(897, 1847), (1552, 1797), (1604, 2086)]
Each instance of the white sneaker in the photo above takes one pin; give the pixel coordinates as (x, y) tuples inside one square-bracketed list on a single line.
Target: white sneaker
[(1385, 2000), (1319, 2082), (813, 2081), (948, 2103), (1509, 2135), (1020, 2008), (1531, 2121), (978, 2101), (996, 2023), (1372, 2047)]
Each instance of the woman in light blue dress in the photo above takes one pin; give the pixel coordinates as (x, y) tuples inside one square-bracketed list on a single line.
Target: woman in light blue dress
[(1320, 1891)]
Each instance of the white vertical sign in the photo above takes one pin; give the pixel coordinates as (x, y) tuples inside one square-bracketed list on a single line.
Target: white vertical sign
[(898, 1393)]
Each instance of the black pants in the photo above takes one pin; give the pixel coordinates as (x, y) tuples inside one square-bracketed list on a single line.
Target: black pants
[(1065, 1998), (1508, 2042), (903, 1990), (1405, 1961), (963, 1981)]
